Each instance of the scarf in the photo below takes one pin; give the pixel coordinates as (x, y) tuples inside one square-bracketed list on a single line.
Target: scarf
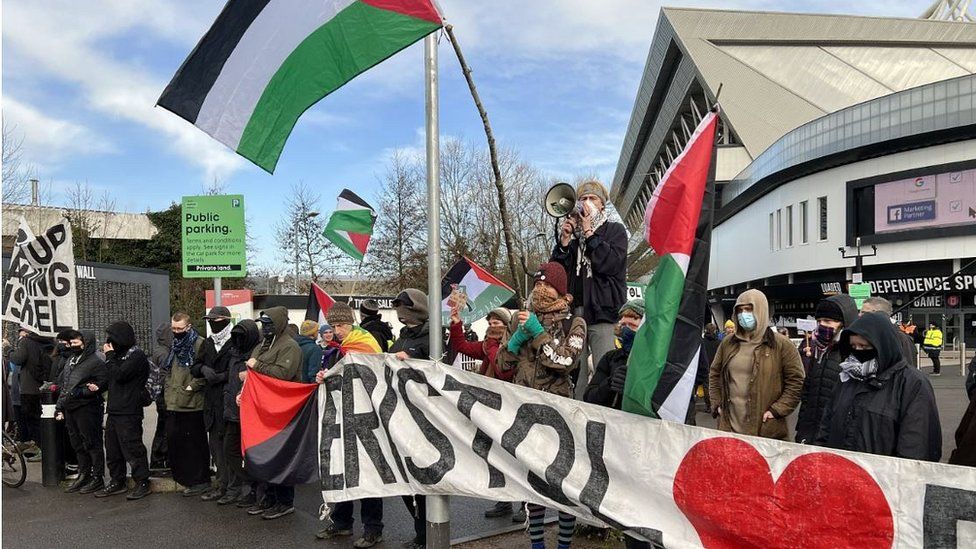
[(496, 332), (598, 219), (222, 337), (543, 302), (183, 349), (853, 368), (818, 349)]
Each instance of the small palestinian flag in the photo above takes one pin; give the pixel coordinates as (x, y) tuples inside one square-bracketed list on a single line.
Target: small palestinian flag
[(280, 430), (678, 223), (351, 224), (263, 63), (476, 291), (318, 304)]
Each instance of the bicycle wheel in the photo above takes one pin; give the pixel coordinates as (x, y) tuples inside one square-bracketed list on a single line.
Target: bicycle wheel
[(12, 463)]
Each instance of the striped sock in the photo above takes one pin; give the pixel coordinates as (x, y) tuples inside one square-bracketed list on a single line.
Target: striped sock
[(567, 525), (537, 515)]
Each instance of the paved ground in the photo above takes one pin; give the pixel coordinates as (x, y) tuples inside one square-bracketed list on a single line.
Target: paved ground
[(34, 516)]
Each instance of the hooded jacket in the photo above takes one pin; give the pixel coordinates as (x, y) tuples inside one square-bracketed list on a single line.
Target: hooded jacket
[(777, 377), (415, 341), (891, 413), (33, 355), (212, 365), (75, 376), (380, 330), (283, 359), (311, 357), (822, 379), (244, 337), (128, 369), (601, 295)]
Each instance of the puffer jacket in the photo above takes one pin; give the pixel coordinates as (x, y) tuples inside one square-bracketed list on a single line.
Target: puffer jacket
[(283, 358), (605, 292), (75, 376), (891, 413), (243, 338), (547, 361), (823, 376)]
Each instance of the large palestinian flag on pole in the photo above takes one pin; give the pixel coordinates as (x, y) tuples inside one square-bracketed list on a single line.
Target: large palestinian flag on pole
[(280, 434), (351, 225), (678, 224), (319, 303), (264, 62), (477, 289)]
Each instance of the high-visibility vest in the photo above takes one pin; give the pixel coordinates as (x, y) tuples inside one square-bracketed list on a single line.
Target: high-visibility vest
[(933, 338)]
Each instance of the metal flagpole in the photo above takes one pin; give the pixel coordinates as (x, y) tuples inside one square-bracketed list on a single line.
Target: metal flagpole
[(217, 291), (438, 507)]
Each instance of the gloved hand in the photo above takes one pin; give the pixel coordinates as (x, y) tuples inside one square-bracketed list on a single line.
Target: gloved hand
[(209, 374), (618, 378), (532, 326), (517, 340)]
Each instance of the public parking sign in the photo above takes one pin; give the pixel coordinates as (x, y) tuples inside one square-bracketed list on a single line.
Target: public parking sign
[(213, 236)]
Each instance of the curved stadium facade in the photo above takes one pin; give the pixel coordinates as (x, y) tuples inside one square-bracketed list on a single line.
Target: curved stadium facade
[(835, 130)]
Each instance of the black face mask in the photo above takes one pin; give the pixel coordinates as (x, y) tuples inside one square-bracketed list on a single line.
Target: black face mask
[(864, 355), (218, 325), (76, 351), (181, 335), (267, 328), (63, 349)]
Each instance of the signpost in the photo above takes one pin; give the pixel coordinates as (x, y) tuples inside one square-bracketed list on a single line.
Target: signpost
[(213, 238)]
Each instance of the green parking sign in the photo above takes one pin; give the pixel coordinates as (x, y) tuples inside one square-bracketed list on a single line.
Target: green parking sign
[(859, 292), (213, 236)]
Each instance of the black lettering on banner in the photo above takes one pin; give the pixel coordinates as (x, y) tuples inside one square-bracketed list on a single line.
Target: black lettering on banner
[(945, 506), (468, 397), (387, 406), (528, 416), (331, 430), (596, 485), (44, 255), (60, 286), (433, 473), (360, 426)]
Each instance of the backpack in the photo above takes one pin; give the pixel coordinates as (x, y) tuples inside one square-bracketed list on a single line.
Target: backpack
[(154, 383)]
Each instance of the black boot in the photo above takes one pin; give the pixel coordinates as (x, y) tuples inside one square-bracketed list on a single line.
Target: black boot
[(82, 479), (94, 484), (142, 490), (500, 509), (113, 489)]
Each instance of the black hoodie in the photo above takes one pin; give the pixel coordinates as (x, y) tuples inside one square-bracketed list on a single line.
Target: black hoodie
[(823, 376), (379, 329), (33, 354), (891, 413), (76, 374), (244, 337), (128, 369)]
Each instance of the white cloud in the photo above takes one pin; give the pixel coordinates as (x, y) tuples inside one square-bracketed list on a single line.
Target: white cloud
[(48, 140), (67, 41)]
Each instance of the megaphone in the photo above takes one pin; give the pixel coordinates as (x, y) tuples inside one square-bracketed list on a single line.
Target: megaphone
[(560, 200)]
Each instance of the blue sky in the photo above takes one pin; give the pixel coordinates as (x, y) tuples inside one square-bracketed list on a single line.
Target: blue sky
[(558, 78)]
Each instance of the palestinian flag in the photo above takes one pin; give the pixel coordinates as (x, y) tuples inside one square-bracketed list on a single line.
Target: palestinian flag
[(678, 224), (263, 63), (351, 225), (280, 430), (478, 289), (318, 304)]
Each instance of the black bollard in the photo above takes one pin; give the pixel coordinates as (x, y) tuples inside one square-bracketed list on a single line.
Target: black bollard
[(52, 453)]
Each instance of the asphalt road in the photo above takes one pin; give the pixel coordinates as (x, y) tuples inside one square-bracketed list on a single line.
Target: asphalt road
[(34, 516)]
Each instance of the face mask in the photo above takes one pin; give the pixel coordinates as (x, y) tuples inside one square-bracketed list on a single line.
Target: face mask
[(217, 326), (63, 349), (852, 368), (267, 329), (180, 336), (864, 355), (626, 337), (747, 321), (76, 351), (825, 334)]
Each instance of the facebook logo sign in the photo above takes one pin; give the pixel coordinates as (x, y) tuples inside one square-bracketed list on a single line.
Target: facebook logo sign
[(909, 213)]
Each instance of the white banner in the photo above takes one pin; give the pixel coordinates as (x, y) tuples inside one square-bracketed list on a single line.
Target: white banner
[(390, 427), (41, 290)]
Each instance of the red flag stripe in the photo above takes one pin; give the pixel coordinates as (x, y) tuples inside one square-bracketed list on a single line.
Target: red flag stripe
[(268, 405), (485, 275)]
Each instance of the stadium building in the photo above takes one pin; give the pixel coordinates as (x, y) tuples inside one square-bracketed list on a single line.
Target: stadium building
[(835, 130)]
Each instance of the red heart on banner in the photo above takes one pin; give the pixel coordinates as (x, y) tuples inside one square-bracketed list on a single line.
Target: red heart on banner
[(725, 489)]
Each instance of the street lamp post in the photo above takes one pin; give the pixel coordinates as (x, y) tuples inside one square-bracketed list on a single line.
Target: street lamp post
[(858, 257)]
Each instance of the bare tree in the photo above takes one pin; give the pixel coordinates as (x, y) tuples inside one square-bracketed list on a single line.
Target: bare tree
[(16, 173), (398, 250), (300, 239)]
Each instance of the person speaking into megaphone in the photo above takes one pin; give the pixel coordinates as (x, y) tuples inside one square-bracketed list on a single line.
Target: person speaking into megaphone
[(593, 250)]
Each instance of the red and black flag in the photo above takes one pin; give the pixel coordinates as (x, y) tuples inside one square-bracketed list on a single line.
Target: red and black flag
[(280, 437)]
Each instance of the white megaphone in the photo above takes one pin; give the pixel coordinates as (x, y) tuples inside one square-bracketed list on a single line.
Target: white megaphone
[(560, 201)]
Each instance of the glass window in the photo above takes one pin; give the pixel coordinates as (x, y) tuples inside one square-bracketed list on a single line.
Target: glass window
[(822, 205), (804, 222), (772, 232), (779, 229), (789, 226)]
